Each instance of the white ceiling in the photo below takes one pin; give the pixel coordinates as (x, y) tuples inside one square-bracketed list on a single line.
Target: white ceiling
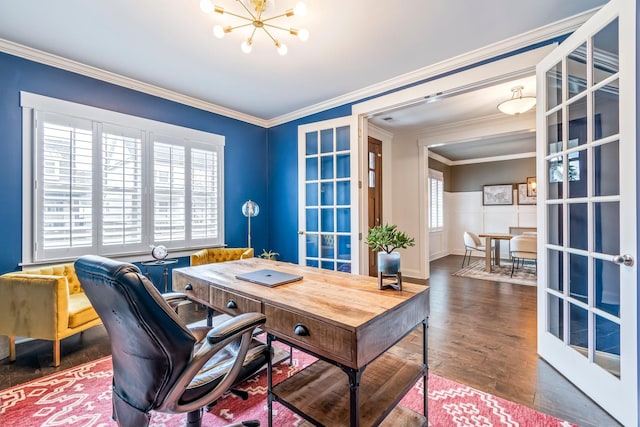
[(354, 44)]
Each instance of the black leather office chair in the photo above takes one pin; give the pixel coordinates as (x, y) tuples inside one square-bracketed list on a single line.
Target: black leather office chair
[(160, 364)]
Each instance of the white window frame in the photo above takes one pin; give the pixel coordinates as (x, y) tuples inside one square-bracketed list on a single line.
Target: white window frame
[(435, 203), (34, 105)]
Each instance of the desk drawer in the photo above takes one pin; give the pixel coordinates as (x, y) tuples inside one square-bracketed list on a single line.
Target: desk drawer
[(322, 338), (233, 303), (195, 289)]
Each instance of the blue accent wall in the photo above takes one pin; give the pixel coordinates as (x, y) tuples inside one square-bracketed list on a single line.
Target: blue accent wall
[(245, 167)]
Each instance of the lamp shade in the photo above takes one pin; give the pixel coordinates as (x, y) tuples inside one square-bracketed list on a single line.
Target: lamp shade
[(250, 209), (518, 104)]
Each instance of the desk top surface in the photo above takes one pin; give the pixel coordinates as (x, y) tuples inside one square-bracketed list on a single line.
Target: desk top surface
[(348, 299)]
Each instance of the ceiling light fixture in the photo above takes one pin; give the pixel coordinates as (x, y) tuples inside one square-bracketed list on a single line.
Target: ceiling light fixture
[(518, 104), (255, 10)]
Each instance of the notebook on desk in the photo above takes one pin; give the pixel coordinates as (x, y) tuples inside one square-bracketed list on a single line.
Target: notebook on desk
[(268, 277)]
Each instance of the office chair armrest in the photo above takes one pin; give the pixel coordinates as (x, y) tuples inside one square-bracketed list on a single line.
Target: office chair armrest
[(234, 325), (241, 326), (176, 299)]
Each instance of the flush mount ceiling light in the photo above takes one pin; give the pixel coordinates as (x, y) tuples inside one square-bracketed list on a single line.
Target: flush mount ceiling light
[(518, 104), (254, 19)]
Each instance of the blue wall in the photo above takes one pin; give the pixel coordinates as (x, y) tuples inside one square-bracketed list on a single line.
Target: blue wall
[(245, 169)]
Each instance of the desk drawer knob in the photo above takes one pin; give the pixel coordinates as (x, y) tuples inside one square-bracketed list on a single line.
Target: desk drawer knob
[(301, 330), (188, 287), (231, 304)]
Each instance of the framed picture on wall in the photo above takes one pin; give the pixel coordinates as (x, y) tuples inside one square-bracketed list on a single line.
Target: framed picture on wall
[(523, 199), (501, 194)]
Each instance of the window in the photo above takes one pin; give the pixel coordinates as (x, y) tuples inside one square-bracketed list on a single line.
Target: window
[(101, 182), (436, 200)]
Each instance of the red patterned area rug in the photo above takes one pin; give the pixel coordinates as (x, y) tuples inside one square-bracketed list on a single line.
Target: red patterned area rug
[(81, 396)]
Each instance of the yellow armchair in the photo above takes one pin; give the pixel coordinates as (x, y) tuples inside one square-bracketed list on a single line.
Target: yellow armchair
[(46, 303), (211, 255)]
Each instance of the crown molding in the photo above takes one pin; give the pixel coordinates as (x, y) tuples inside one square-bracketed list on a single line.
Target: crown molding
[(449, 162), (441, 159), (542, 34), (524, 40), (56, 61)]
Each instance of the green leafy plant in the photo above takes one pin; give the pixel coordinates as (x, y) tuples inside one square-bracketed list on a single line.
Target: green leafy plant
[(269, 254), (388, 238)]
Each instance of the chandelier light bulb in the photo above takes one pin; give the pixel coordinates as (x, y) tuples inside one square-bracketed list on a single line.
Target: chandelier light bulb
[(282, 49), (206, 6), (303, 34), (300, 9), (246, 46), (218, 31)]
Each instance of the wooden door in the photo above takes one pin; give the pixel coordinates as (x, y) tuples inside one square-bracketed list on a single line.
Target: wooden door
[(374, 184)]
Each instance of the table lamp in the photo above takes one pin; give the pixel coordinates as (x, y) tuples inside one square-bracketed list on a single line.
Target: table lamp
[(250, 209)]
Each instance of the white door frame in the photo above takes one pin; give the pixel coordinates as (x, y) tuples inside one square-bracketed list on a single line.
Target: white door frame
[(618, 397), (503, 70)]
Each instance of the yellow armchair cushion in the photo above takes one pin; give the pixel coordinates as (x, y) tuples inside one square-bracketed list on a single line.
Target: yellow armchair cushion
[(80, 310), (211, 255)]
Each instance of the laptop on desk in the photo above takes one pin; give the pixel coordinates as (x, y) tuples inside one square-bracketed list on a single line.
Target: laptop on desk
[(270, 278)]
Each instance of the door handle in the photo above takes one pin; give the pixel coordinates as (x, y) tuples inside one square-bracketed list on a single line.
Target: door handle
[(301, 232), (623, 259)]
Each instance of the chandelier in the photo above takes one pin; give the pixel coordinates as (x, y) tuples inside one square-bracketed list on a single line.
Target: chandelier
[(518, 104), (255, 20)]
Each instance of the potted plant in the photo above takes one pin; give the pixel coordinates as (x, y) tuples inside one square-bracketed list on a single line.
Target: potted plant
[(269, 255), (386, 239)]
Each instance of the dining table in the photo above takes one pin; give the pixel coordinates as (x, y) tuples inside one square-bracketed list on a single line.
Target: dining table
[(489, 239)]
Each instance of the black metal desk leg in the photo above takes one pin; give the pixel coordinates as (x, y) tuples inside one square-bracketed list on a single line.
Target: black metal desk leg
[(354, 396), (209, 316)]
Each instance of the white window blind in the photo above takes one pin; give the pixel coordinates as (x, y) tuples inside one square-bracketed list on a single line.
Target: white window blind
[(436, 200), (106, 183), (204, 194), (121, 187), (169, 192), (66, 181)]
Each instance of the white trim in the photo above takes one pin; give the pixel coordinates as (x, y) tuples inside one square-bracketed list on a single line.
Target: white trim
[(538, 35), (440, 158), (117, 79), (493, 159)]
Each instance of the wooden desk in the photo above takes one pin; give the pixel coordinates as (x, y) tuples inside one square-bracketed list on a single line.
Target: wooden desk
[(344, 320), (489, 237)]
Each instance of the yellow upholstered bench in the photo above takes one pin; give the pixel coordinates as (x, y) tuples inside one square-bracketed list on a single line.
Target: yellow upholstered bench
[(211, 255), (46, 303)]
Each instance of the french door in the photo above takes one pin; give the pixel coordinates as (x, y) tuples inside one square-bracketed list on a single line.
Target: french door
[(586, 167), (328, 195)]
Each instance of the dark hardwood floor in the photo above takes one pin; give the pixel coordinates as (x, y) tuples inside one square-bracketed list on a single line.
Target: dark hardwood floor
[(481, 333)]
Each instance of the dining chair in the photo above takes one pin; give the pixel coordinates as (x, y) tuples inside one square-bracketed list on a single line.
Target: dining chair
[(523, 248), (472, 243)]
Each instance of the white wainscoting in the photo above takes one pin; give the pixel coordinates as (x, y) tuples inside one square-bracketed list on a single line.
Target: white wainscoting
[(464, 211)]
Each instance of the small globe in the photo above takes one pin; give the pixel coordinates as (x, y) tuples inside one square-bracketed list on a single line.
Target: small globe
[(250, 208), (159, 252)]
